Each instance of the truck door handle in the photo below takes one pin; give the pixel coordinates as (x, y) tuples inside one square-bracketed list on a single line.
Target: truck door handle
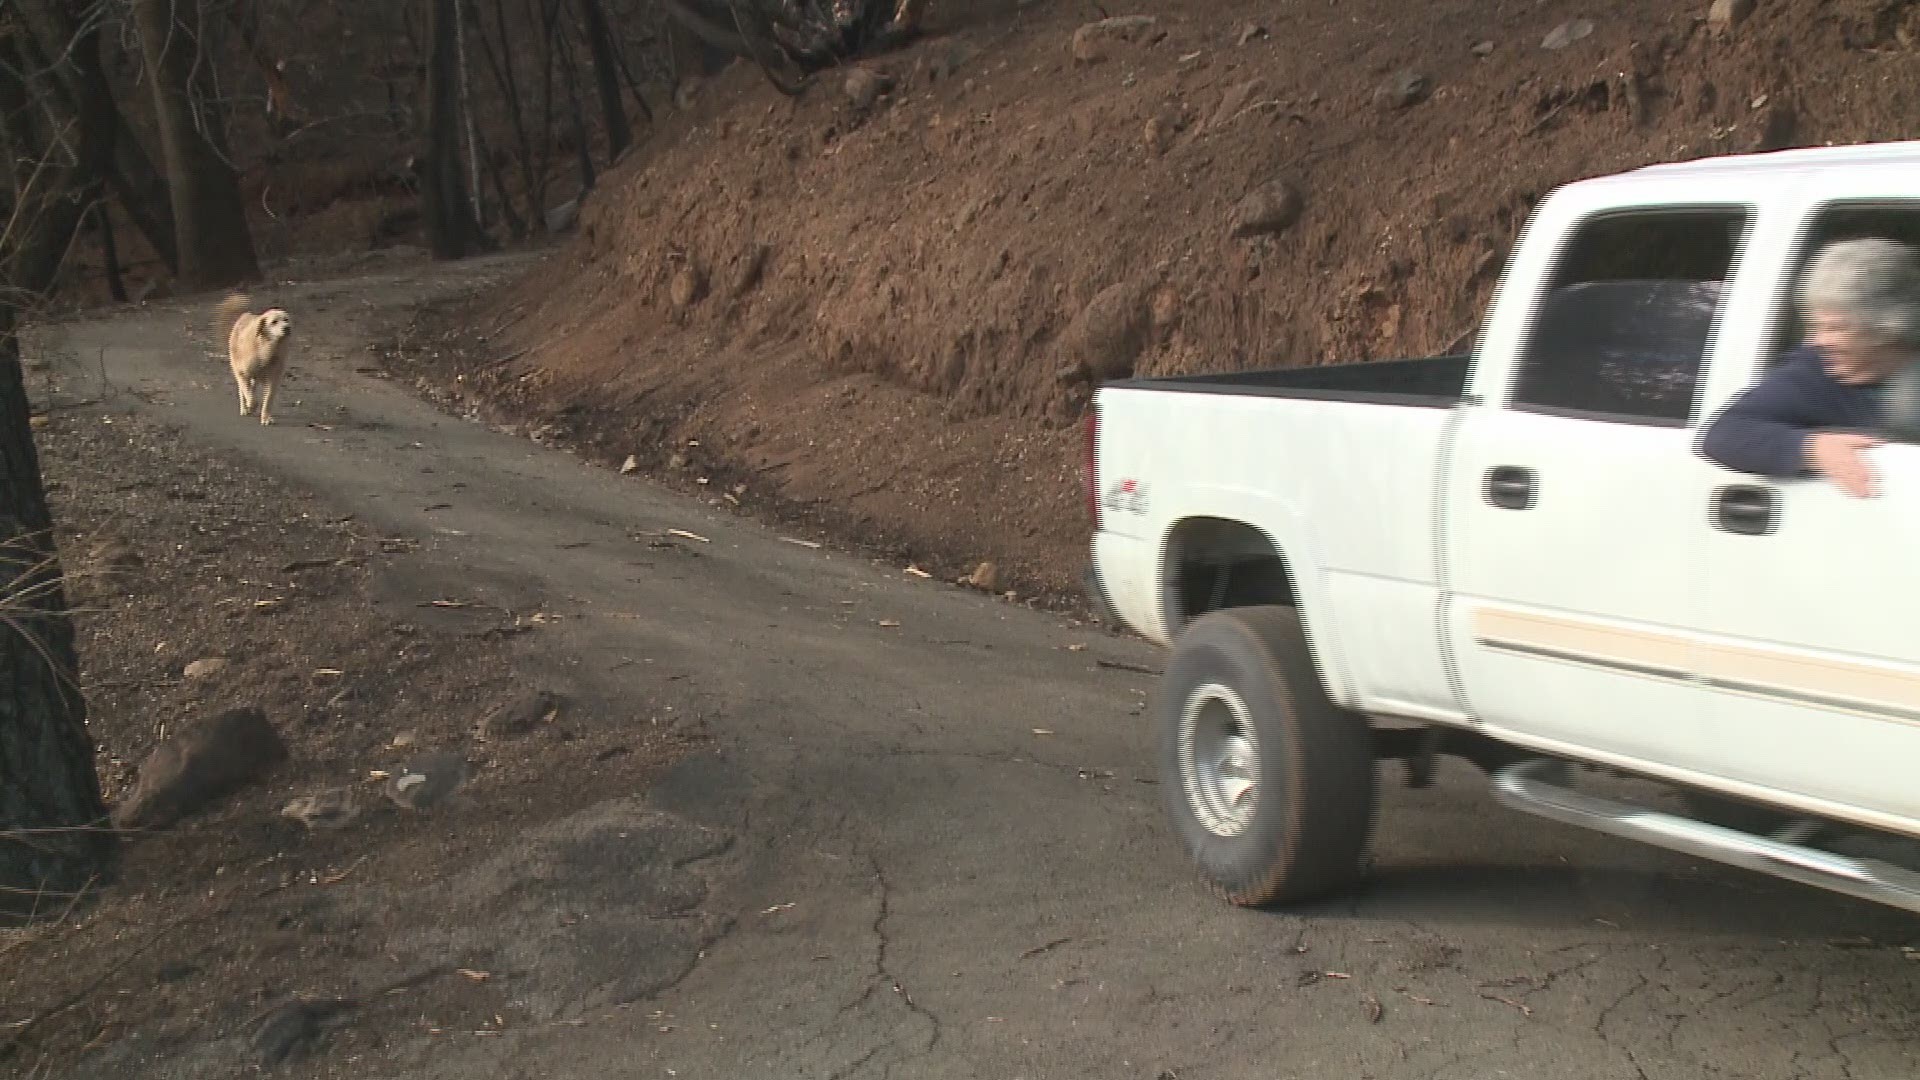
[(1511, 487), (1746, 510)]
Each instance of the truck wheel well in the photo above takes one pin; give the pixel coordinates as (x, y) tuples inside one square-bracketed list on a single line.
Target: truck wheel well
[(1213, 563)]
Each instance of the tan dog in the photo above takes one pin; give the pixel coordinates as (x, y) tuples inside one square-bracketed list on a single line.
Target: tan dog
[(256, 350)]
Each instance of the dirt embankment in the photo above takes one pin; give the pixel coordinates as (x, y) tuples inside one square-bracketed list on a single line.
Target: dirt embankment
[(884, 305)]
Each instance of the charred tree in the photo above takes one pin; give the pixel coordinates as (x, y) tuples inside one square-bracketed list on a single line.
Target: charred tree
[(51, 812), (44, 201), (583, 150), (210, 221), (792, 39), (606, 76), (452, 232), (52, 818)]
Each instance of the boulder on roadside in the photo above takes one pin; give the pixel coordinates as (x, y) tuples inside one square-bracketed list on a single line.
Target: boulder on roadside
[(1109, 333), (205, 668), (427, 781), (1402, 90), (1725, 16), (689, 287), (200, 766), (1271, 209), (1161, 131), (1096, 41), (985, 577), (864, 86), (329, 809), (561, 218), (1567, 33), (520, 715)]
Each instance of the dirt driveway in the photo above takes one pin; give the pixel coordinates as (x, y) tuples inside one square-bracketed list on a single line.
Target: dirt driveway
[(927, 840)]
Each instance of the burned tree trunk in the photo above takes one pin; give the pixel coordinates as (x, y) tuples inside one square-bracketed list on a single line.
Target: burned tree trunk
[(797, 34), (115, 157), (73, 52), (51, 812), (606, 75), (452, 232), (210, 221), (43, 202)]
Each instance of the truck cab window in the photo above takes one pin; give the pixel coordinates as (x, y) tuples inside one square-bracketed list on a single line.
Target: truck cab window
[(1625, 321)]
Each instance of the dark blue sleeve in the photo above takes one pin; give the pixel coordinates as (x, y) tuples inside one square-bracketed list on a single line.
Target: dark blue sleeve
[(1764, 431)]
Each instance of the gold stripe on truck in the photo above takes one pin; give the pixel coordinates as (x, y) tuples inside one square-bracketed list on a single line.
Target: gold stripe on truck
[(1886, 693)]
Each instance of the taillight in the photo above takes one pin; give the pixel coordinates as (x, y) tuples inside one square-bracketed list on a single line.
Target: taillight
[(1090, 465)]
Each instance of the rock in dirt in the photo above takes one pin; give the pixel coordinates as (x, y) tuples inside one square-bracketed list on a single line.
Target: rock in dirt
[(752, 269), (329, 809), (1272, 209), (200, 766), (942, 63), (687, 94), (1725, 16), (563, 217), (1567, 33), (865, 85), (1402, 90), (520, 715), (1108, 335), (1251, 32), (427, 780), (1482, 48), (689, 287), (1096, 41), (1160, 133), (1164, 308), (630, 466), (985, 577), (205, 668), (1776, 130)]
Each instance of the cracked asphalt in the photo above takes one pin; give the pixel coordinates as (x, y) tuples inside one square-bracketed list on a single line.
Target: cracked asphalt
[(949, 859)]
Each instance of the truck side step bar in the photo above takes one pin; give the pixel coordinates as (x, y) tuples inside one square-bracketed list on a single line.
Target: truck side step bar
[(1533, 786)]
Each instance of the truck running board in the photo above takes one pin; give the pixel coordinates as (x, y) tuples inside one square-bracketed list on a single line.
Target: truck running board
[(1530, 786)]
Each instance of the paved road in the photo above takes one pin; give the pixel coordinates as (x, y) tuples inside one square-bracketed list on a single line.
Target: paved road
[(950, 859)]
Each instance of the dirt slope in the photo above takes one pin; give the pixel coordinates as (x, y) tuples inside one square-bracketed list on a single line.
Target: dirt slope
[(893, 313)]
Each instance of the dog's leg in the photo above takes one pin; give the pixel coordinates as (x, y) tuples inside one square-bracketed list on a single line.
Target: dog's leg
[(266, 399), (246, 393)]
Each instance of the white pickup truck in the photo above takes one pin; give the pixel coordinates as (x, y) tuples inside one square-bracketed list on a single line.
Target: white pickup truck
[(1519, 557)]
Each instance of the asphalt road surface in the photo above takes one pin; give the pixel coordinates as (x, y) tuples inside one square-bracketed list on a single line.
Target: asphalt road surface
[(950, 859)]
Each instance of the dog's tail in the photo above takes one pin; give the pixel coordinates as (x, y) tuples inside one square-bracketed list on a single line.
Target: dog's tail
[(228, 313)]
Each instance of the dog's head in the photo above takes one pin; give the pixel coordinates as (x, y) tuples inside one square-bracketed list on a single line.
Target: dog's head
[(274, 324)]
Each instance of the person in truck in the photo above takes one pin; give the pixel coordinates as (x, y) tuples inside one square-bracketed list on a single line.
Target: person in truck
[(1861, 299)]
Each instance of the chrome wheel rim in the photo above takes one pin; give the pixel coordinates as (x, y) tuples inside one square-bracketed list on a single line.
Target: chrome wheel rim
[(1219, 759)]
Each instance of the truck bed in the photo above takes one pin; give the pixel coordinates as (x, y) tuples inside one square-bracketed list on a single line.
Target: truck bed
[(1432, 382)]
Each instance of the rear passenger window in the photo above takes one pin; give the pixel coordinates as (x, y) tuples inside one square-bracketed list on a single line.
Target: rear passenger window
[(1628, 314), (1853, 219)]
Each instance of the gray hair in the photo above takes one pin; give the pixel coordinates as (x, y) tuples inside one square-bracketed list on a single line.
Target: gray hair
[(1871, 285)]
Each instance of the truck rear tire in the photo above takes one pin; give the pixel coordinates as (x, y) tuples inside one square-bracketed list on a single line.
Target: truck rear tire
[(1270, 785)]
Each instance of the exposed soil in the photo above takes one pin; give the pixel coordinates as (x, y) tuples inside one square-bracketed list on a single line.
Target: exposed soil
[(176, 555), (890, 317)]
